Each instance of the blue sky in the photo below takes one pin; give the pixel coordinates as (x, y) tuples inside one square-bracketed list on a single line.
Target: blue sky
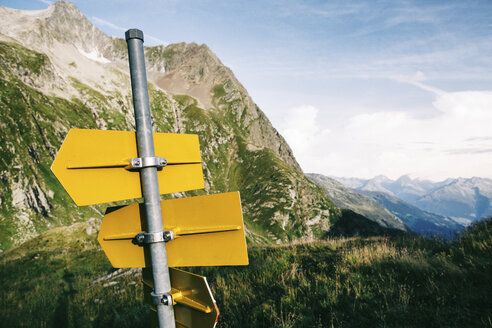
[(358, 88)]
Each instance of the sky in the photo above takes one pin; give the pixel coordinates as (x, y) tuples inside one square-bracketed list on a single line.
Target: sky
[(357, 88)]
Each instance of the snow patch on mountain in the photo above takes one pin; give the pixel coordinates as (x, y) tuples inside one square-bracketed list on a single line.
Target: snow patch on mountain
[(94, 55)]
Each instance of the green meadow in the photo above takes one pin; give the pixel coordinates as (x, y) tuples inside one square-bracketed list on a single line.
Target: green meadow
[(62, 279)]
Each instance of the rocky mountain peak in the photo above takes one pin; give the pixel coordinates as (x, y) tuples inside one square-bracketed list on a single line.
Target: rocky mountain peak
[(66, 19), (68, 25), (381, 178), (378, 183), (195, 70), (404, 180), (65, 9), (61, 23)]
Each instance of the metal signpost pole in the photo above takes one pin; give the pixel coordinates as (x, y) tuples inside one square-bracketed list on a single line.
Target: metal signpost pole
[(148, 176)]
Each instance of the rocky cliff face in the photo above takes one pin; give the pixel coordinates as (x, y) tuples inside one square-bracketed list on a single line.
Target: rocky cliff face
[(57, 72)]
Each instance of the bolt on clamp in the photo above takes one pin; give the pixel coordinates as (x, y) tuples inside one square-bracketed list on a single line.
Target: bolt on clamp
[(164, 298), (143, 238), (142, 162)]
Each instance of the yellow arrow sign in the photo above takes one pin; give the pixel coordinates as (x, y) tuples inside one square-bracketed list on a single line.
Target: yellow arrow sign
[(92, 165), (208, 231), (194, 304)]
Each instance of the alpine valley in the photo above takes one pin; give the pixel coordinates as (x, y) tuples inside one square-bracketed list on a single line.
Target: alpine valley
[(322, 252)]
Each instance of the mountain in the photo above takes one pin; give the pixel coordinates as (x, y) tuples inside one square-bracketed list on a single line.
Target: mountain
[(464, 200), (461, 198), (409, 189), (378, 183), (404, 187), (58, 71), (422, 222), (344, 197), (385, 208)]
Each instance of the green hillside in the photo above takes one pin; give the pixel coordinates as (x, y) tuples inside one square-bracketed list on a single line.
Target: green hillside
[(279, 203), (62, 279)]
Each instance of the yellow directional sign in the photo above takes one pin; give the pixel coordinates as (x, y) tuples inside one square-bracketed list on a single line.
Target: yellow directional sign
[(92, 165), (208, 231), (194, 304)]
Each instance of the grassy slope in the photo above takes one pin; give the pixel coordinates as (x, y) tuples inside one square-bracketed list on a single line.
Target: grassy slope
[(382, 282), (352, 224), (278, 200), (26, 154)]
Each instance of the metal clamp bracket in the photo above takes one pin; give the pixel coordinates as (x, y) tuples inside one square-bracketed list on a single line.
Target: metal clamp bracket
[(142, 162), (157, 299), (153, 237)]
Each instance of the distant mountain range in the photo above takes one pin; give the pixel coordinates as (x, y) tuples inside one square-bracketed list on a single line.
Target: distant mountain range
[(462, 199), (344, 197), (419, 221), (385, 208)]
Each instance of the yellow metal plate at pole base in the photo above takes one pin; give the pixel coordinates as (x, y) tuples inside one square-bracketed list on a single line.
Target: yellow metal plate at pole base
[(91, 165), (194, 304), (208, 231)]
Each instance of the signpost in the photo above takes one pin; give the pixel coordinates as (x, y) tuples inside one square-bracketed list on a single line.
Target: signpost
[(148, 176), (96, 166), (205, 231)]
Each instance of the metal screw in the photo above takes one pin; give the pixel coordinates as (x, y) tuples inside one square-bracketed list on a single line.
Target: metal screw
[(166, 299), (139, 238), (167, 235)]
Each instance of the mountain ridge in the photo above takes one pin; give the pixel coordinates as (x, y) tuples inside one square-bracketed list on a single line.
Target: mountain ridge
[(344, 197), (420, 221), (377, 205), (463, 199), (46, 90)]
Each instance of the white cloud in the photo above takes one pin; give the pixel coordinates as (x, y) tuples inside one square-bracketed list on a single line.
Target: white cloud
[(457, 141), (102, 22), (46, 2), (417, 80), (301, 129), (154, 40)]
